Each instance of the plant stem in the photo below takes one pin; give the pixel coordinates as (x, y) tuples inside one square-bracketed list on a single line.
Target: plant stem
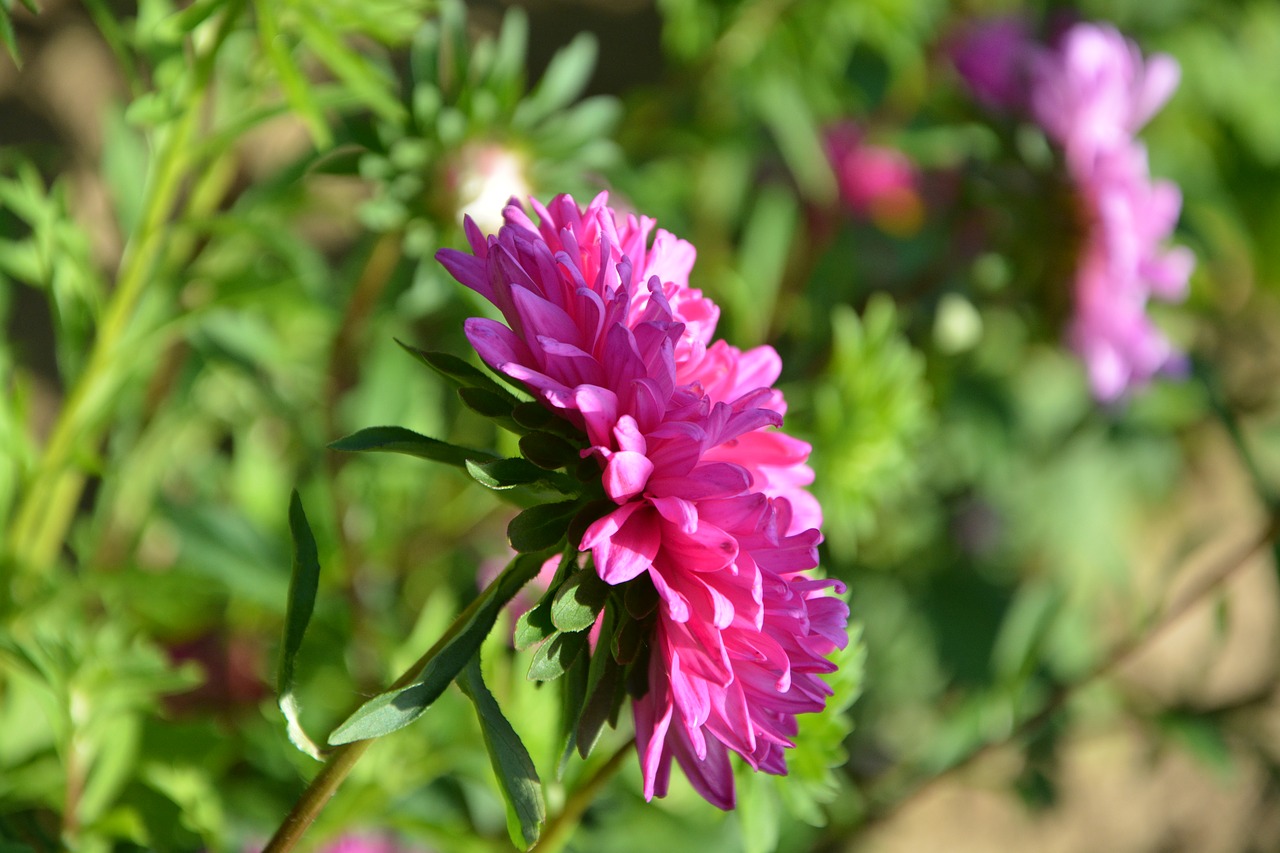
[(560, 828), (46, 510), (343, 758), (1121, 654)]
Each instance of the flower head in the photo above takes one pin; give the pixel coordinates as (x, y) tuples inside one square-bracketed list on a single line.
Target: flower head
[(1092, 91), (709, 500)]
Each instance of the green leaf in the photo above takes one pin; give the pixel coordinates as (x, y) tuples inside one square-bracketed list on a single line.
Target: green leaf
[(540, 527), (487, 404), (566, 77), (556, 655), (505, 473), (369, 83), (7, 36), (457, 372), (604, 679), (517, 777), (784, 108), (532, 627), (297, 89), (579, 601), (303, 585), (640, 598), (400, 706), (393, 439), (548, 451)]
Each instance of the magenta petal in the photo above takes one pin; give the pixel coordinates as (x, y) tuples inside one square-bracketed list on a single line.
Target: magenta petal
[(495, 343), (711, 777), (599, 408), (624, 542), (625, 475)]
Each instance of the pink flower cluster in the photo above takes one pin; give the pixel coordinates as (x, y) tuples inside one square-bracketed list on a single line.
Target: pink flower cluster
[(1092, 92), (602, 326)]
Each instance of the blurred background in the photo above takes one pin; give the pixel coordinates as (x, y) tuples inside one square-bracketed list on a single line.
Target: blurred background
[(217, 217)]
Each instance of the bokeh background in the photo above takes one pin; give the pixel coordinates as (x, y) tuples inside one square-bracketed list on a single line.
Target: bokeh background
[(217, 217)]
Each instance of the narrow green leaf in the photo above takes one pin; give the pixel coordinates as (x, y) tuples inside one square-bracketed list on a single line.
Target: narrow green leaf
[(457, 372), (517, 777), (573, 693), (566, 77), (497, 407), (579, 601), (393, 439), (370, 83), (628, 642), (784, 107), (601, 694), (400, 706), (540, 527), (548, 451), (556, 655), (296, 88), (9, 40), (505, 473), (601, 698), (535, 417), (303, 584)]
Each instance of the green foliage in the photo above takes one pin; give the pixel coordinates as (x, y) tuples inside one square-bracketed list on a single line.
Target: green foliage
[(303, 584), (518, 778), (400, 706), (206, 260), (870, 415)]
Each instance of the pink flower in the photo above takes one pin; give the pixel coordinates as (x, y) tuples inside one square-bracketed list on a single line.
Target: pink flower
[(603, 327), (1123, 265), (356, 843), (1092, 92), (874, 181), (991, 57)]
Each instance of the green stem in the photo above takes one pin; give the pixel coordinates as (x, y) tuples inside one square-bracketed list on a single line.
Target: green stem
[(343, 758), (1231, 423), (47, 508), (561, 827)]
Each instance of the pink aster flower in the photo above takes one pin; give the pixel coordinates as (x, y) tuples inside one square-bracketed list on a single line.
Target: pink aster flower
[(603, 328)]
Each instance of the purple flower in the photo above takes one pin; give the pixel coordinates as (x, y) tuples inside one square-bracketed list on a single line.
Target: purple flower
[(991, 57)]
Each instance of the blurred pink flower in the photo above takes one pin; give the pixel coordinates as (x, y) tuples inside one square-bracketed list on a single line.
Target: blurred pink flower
[(603, 327), (357, 843), (876, 182), (1092, 91), (991, 56)]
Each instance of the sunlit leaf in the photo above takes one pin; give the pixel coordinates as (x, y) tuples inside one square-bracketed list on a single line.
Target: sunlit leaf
[(517, 777), (303, 584)]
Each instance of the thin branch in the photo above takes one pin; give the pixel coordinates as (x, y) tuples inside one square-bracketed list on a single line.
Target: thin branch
[(561, 827), (1118, 657)]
